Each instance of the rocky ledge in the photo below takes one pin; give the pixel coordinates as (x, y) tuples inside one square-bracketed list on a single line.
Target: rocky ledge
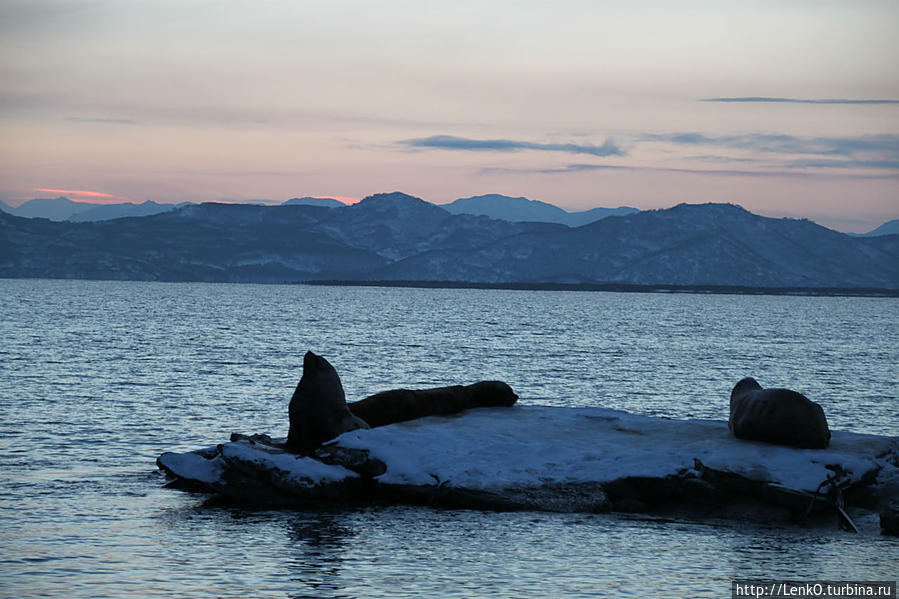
[(559, 459)]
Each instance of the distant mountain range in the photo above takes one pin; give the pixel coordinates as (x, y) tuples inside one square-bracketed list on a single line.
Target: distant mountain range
[(308, 201), (396, 237), (891, 227), (62, 208), (495, 206), (524, 210), (111, 211)]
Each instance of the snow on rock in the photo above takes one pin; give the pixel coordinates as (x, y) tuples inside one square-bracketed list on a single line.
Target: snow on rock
[(244, 460), (526, 457), (201, 466), (493, 448), (296, 470)]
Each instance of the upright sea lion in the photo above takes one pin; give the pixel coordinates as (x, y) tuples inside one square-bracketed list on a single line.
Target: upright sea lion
[(318, 410), (777, 416), (399, 405)]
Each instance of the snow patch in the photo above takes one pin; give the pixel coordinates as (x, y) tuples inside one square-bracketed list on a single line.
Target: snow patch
[(494, 448)]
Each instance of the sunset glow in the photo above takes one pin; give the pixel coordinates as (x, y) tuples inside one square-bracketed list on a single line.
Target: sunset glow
[(345, 199), (78, 195), (788, 109)]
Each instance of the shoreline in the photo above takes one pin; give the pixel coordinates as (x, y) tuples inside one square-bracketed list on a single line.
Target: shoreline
[(621, 288), (527, 286)]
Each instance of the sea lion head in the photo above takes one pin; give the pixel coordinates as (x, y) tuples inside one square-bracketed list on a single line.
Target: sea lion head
[(742, 387), (493, 393), (315, 365)]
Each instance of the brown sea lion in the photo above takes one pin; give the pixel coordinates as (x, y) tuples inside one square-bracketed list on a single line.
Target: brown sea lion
[(777, 416), (399, 405), (318, 410)]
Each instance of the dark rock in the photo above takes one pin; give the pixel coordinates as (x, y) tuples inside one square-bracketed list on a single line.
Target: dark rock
[(562, 498), (256, 438), (637, 493), (889, 519), (357, 460), (701, 493), (747, 509)]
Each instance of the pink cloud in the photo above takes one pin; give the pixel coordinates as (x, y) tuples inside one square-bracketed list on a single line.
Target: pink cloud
[(77, 195)]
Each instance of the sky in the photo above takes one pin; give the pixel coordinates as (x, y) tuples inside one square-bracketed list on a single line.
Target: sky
[(788, 107)]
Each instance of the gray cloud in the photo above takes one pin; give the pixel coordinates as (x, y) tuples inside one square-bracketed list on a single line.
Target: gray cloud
[(573, 168), (793, 174), (798, 100), (861, 152), (722, 159), (17, 16), (552, 170), (450, 142), (82, 108), (101, 121), (823, 163), (887, 144)]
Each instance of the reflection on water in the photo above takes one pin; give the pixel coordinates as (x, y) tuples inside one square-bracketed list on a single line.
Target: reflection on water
[(100, 378), (316, 564)]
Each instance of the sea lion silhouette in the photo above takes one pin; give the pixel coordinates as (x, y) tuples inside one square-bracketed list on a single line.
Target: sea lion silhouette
[(779, 416), (399, 405), (318, 410)]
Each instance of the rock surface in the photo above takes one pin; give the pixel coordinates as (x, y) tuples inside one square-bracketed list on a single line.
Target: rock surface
[(553, 459), (889, 519)]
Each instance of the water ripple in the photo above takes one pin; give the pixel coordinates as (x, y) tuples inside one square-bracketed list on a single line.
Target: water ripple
[(99, 378)]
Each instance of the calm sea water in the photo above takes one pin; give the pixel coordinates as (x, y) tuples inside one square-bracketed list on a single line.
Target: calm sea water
[(99, 378)]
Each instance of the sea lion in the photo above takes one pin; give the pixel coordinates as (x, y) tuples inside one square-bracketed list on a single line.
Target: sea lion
[(399, 405), (318, 410), (777, 416)]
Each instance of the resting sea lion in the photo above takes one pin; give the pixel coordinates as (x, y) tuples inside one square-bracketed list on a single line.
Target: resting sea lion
[(399, 405), (776, 416), (318, 410)]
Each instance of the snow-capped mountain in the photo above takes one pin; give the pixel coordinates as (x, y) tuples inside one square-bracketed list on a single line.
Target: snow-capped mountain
[(397, 237), (62, 208), (891, 227), (125, 210), (708, 245), (310, 201), (524, 210)]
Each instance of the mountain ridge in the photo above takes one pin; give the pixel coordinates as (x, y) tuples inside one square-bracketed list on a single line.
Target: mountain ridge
[(111, 211), (314, 201), (891, 227), (399, 237), (62, 208), (522, 209)]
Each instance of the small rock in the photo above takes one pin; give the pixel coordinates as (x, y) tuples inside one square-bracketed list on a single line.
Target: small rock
[(889, 519)]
